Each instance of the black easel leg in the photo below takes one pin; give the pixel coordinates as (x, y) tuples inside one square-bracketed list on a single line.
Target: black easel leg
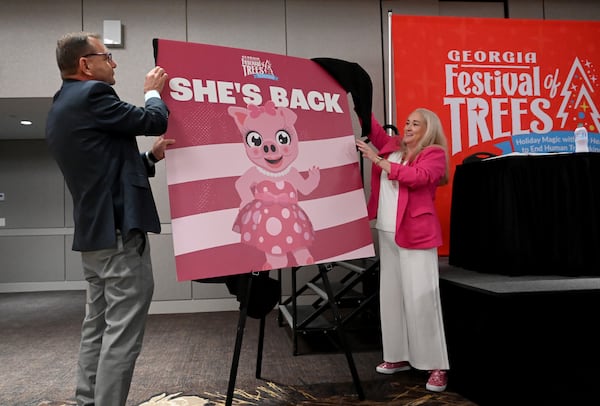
[(261, 339), (340, 330), (246, 285), (294, 312)]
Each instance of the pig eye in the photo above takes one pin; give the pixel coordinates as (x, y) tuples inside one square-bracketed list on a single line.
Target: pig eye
[(283, 138), (253, 139)]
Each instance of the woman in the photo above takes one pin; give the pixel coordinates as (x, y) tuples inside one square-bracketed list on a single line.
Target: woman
[(405, 175)]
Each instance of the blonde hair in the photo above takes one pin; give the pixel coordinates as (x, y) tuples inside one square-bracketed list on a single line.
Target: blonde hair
[(434, 136)]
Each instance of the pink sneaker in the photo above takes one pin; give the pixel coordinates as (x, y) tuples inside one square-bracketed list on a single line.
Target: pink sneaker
[(437, 381), (392, 367)]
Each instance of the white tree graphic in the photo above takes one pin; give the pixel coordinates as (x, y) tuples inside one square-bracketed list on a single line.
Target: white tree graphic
[(577, 94)]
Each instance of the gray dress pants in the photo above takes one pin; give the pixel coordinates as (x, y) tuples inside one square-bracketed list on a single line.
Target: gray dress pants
[(120, 288)]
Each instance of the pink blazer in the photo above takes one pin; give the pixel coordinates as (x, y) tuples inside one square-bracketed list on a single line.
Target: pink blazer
[(417, 222)]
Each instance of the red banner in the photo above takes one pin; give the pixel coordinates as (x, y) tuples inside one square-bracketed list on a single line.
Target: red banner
[(504, 86), (264, 173)]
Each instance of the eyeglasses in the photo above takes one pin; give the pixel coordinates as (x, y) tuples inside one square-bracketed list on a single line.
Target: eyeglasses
[(108, 55)]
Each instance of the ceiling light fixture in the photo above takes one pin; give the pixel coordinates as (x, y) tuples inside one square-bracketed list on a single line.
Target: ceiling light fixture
[(26, 122)]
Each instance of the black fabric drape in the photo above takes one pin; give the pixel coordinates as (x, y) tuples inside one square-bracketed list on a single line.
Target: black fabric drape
[(356, 81), (527, 215)]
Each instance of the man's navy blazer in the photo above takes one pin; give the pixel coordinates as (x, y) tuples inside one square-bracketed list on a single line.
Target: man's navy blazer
[(92, 135)]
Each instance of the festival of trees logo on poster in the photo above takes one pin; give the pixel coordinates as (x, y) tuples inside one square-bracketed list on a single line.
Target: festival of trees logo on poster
[(507, 98)]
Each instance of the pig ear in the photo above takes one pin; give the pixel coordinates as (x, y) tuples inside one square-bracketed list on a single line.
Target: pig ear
[(288, 115), (239, 114)]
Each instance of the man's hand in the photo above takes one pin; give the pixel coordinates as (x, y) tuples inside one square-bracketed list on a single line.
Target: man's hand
[(160, 145), (155, 79)]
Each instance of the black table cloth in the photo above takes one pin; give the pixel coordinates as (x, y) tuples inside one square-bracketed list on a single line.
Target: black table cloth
[(527, 215)]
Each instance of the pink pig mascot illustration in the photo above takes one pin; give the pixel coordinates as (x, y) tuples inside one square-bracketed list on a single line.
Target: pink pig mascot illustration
[(270, 218)]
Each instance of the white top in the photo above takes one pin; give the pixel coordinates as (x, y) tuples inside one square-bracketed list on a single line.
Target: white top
[(388, 198)]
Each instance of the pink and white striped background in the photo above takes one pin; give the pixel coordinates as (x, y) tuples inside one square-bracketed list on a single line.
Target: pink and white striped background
[(209, 155)]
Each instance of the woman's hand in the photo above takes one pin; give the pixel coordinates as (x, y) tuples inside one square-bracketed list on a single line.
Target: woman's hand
[(367, 151)]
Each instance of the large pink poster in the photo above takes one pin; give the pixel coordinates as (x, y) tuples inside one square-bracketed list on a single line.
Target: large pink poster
[(264, 173)]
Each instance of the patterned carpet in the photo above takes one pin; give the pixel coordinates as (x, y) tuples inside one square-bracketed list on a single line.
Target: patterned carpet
[(186, 361), (380, 393), (392, 393)]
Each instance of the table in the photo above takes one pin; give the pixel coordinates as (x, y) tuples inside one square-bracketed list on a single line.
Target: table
[(527, 215), (521, 340)]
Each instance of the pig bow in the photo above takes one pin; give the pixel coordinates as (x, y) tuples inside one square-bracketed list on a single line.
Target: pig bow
[(256, 111)]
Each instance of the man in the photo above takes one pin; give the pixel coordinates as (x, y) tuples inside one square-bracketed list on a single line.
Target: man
[(92, 135)]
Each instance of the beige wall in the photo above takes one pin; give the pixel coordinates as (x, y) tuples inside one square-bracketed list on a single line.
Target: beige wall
[(35, 244)]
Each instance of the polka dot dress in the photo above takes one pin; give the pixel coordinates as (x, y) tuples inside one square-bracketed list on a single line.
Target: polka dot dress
[(274, 222)]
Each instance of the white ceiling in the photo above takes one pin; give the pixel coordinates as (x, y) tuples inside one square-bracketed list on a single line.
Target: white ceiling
[(13, 110)]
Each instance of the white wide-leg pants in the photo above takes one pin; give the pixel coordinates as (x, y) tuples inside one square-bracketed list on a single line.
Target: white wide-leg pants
[(411, 315)]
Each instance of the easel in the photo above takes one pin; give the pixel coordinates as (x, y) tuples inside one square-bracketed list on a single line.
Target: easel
[(245, 288), (337, 319)]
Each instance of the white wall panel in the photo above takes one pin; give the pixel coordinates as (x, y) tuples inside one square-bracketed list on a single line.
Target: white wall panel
[(572, 10), (255, 25), (166, 286), (493, 9), (32, 258), (73, 265), (530, 9), (142, 21), (28, 32), (32, 184), (344, 29)]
